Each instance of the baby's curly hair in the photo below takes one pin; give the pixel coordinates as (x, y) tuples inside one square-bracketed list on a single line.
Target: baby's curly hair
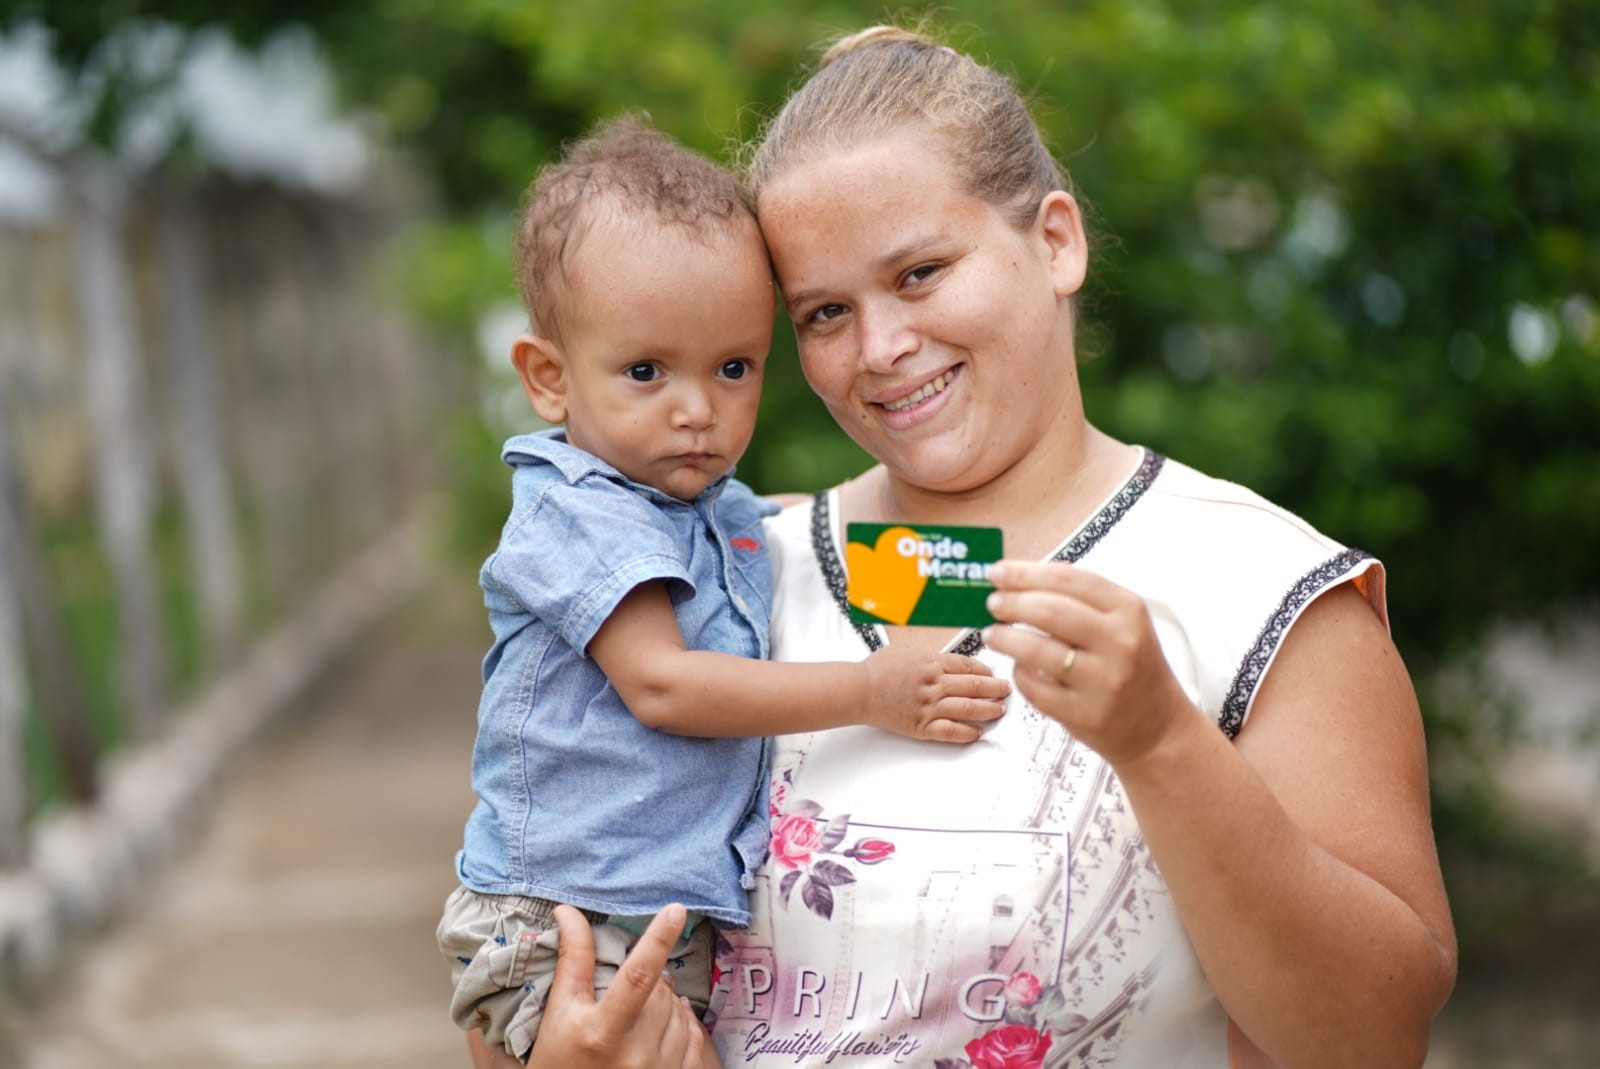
[(625, 166)]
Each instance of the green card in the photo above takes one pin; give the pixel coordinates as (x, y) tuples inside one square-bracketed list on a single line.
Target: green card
[(935, 576)]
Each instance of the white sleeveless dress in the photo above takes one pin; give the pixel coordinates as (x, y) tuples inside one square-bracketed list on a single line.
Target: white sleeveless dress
[(994, 906)]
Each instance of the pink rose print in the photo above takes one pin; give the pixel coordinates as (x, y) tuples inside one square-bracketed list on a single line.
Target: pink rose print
[(1023, 989), (794, 837), (780, 791), (1011, 1046), (871, 851), (806, 842)]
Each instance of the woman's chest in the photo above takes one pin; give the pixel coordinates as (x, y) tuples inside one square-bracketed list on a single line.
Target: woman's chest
[(924, 905), (955, 907)]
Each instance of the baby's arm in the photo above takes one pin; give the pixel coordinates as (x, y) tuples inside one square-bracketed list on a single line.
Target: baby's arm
[(938, 696)]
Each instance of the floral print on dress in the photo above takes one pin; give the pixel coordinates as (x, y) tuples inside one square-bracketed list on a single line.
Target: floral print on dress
[(800, 838), (1011, 1046), (1036, 1014)]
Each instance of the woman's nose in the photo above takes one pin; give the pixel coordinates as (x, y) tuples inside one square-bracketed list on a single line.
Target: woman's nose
[(885, 339)]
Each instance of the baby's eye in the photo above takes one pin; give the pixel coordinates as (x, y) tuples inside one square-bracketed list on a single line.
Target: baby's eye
[(922, 272), (734, 369), (642, 373)]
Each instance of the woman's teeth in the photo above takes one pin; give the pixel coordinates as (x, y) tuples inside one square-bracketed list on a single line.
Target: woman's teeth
[(927, 391)]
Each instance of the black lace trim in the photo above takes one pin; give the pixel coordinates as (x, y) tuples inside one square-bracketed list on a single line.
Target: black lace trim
[(1255, 662), (833, 569), (1098, 527)]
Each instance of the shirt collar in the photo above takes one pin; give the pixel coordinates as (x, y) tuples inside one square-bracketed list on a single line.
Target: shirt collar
[(552, 447)]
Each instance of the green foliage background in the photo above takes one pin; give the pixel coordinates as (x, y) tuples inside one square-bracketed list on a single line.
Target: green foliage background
[(1346, 248)]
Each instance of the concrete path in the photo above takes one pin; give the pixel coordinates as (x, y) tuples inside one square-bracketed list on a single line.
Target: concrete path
[(299, 932)]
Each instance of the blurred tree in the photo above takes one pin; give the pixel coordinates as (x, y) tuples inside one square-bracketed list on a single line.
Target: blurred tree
[(1346, 251)]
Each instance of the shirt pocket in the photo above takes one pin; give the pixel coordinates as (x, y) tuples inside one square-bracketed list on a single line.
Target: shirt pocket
[(752, 570)]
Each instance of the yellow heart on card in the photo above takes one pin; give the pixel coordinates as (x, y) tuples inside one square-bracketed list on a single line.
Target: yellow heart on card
[(882, 580)]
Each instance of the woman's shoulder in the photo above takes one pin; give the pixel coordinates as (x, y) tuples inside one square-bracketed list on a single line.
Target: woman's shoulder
[(790, 544), (1233, 571), (1228, 517), (792, 525), (1222, 538)]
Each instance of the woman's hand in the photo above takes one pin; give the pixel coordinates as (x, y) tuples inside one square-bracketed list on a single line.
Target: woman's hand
[(1093, 663), (639, 1023)]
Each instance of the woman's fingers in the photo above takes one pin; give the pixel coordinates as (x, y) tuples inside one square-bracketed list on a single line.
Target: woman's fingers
[(1075, 613), (675, 1035), (1058, 577), (633, 1026), (1042, 655), (699, 1054), (1061, 615), (640, 974), (573, 981), (486, 1057), (1086, 655)]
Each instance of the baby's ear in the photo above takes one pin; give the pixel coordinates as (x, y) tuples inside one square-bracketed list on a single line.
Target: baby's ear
[(543, 370)]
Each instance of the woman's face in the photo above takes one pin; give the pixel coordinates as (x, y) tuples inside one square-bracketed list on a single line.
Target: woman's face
[(937, 333)]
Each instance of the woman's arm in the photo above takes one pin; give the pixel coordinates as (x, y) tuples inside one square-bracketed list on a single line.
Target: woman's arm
[(639, 1023), (1301, 859), (938, 696)]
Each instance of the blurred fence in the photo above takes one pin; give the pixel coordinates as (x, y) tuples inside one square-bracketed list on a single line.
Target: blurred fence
[(212, 421)]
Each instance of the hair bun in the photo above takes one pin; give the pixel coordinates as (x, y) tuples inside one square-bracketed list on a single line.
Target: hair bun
[(874, 35)]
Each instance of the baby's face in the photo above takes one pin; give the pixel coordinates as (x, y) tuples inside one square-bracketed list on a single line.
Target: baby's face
[(665, 349)]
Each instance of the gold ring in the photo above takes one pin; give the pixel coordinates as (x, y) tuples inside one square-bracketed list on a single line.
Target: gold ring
[(1066, 664)]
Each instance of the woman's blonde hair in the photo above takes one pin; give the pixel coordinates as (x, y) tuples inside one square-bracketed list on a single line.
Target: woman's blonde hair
[(876, 82)]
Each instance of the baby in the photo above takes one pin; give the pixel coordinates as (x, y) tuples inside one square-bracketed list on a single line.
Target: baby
[(620, 762)]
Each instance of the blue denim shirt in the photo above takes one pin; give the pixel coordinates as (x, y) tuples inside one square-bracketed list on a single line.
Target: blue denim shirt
[(578, 801)]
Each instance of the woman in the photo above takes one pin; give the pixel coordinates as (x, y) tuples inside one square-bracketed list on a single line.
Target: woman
[(1106, 878)]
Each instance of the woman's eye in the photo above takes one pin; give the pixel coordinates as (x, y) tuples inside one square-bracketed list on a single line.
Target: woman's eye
[(735, 369), (922, 272), (641, 373), (825, 313)]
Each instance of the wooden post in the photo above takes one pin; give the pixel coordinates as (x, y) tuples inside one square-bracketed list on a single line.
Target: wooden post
[(13, 682), (123, 462), (56, 675), (202, 453), (62, 703)]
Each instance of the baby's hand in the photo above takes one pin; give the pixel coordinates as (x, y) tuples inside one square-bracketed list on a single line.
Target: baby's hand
[(943, 697)]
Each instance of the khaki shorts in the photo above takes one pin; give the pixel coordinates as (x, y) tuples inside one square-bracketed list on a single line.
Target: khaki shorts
[(502, 954)]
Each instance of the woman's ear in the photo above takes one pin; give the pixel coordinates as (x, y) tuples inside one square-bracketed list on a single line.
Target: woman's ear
[(542, 367), (1061, 226)]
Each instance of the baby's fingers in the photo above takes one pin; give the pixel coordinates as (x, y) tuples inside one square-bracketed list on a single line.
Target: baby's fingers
[(971, 710), (959, 664), (951, 731), (967, 677), (986, 688)]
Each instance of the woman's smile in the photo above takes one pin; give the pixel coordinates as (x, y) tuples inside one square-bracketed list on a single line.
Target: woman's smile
[(902, 409), (937, 331), (920, 393)]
